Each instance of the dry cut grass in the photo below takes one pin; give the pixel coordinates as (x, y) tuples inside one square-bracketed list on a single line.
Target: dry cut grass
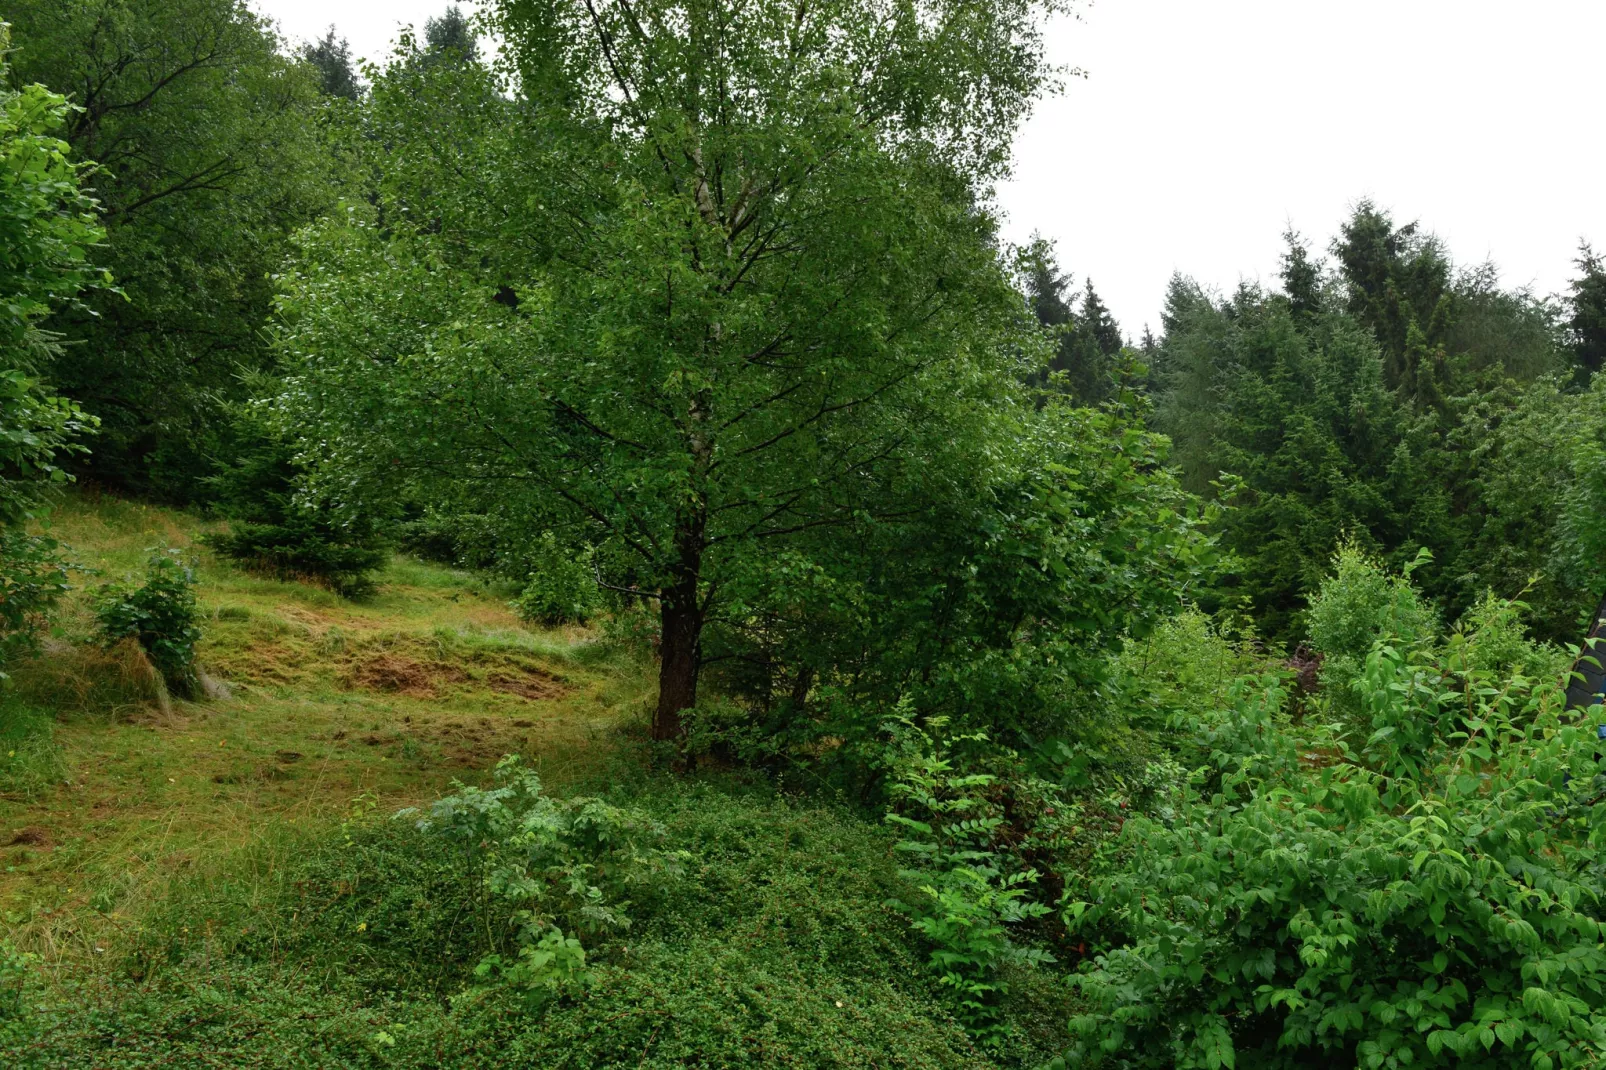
[(330, 706)]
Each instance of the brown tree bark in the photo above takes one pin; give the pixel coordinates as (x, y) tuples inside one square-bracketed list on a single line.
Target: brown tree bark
[(681, 617), (677, 672)]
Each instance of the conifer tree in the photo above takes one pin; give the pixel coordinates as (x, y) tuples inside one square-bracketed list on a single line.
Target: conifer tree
[(451, 36), (1399, 287), (1587, 325), (331, 57), (1301, 276)]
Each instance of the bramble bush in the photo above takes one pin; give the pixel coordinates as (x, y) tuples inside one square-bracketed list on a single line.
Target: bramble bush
[(1358, 603), (1435, 902), (160, 614), (971, 892), (548, 864)]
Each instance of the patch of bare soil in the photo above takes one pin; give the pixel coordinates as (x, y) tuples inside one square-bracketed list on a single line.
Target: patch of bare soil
[(399, 674), (32, 836), (531, 684)]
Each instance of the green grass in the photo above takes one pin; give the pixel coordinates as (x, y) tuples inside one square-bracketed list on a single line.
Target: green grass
[(221, 883), (30, 759), (110, 798), (775, 947)]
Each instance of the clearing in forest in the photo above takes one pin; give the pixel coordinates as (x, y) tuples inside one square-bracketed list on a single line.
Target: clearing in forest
[(320, 706)]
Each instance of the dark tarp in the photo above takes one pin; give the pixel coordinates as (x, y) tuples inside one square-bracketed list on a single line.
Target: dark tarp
[(1589, 678)]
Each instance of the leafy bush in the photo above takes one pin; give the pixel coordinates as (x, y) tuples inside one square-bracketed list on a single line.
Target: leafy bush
[(161, 614), (1358, 603), (970, 892), (551, 864), (1184, 669), (1307, 909), (33, 577), (1491, 637), (561, 589)]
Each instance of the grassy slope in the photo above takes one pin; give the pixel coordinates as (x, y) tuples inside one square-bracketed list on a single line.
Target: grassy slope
[(336, 705), (217, 885)]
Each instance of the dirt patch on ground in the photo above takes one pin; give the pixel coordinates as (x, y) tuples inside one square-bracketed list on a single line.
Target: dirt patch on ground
[(395, 673), (398, 674), (531, 684), (32, 836)]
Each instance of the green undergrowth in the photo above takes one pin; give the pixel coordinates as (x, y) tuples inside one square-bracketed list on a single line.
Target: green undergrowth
[(775, 946)]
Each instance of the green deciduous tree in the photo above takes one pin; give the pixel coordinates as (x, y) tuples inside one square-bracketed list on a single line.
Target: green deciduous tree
[(713, 284), (48, 230), (207, 154)]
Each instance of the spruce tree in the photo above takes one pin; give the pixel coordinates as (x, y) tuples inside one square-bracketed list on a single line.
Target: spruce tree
[(451, 36), (1399, 287), (1587, 325), (1301, 276), (331, 57)]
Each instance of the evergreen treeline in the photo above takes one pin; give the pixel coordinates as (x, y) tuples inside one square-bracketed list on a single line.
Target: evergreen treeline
[(1392, 399), (1383, 397)]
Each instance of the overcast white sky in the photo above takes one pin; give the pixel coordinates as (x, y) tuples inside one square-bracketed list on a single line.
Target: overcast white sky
[(1205, 127)]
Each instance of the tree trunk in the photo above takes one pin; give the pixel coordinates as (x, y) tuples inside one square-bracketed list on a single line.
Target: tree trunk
[(680, 647), (677, 673)]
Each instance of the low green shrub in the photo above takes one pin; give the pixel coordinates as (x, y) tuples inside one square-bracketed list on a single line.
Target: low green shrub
[(33, 577), (1438, 904), (273, 529), (160, 614), (548, 864), (306, 548), (562, 588)]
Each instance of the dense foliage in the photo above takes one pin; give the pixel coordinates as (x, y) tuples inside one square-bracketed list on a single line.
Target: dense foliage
[(1436, 903), (1396, 401), (47, 232), (209, 153), (689, 325), (720, 373)]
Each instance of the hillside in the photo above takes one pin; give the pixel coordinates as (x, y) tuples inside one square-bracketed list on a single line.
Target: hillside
[(205, 879), (323, 705)]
